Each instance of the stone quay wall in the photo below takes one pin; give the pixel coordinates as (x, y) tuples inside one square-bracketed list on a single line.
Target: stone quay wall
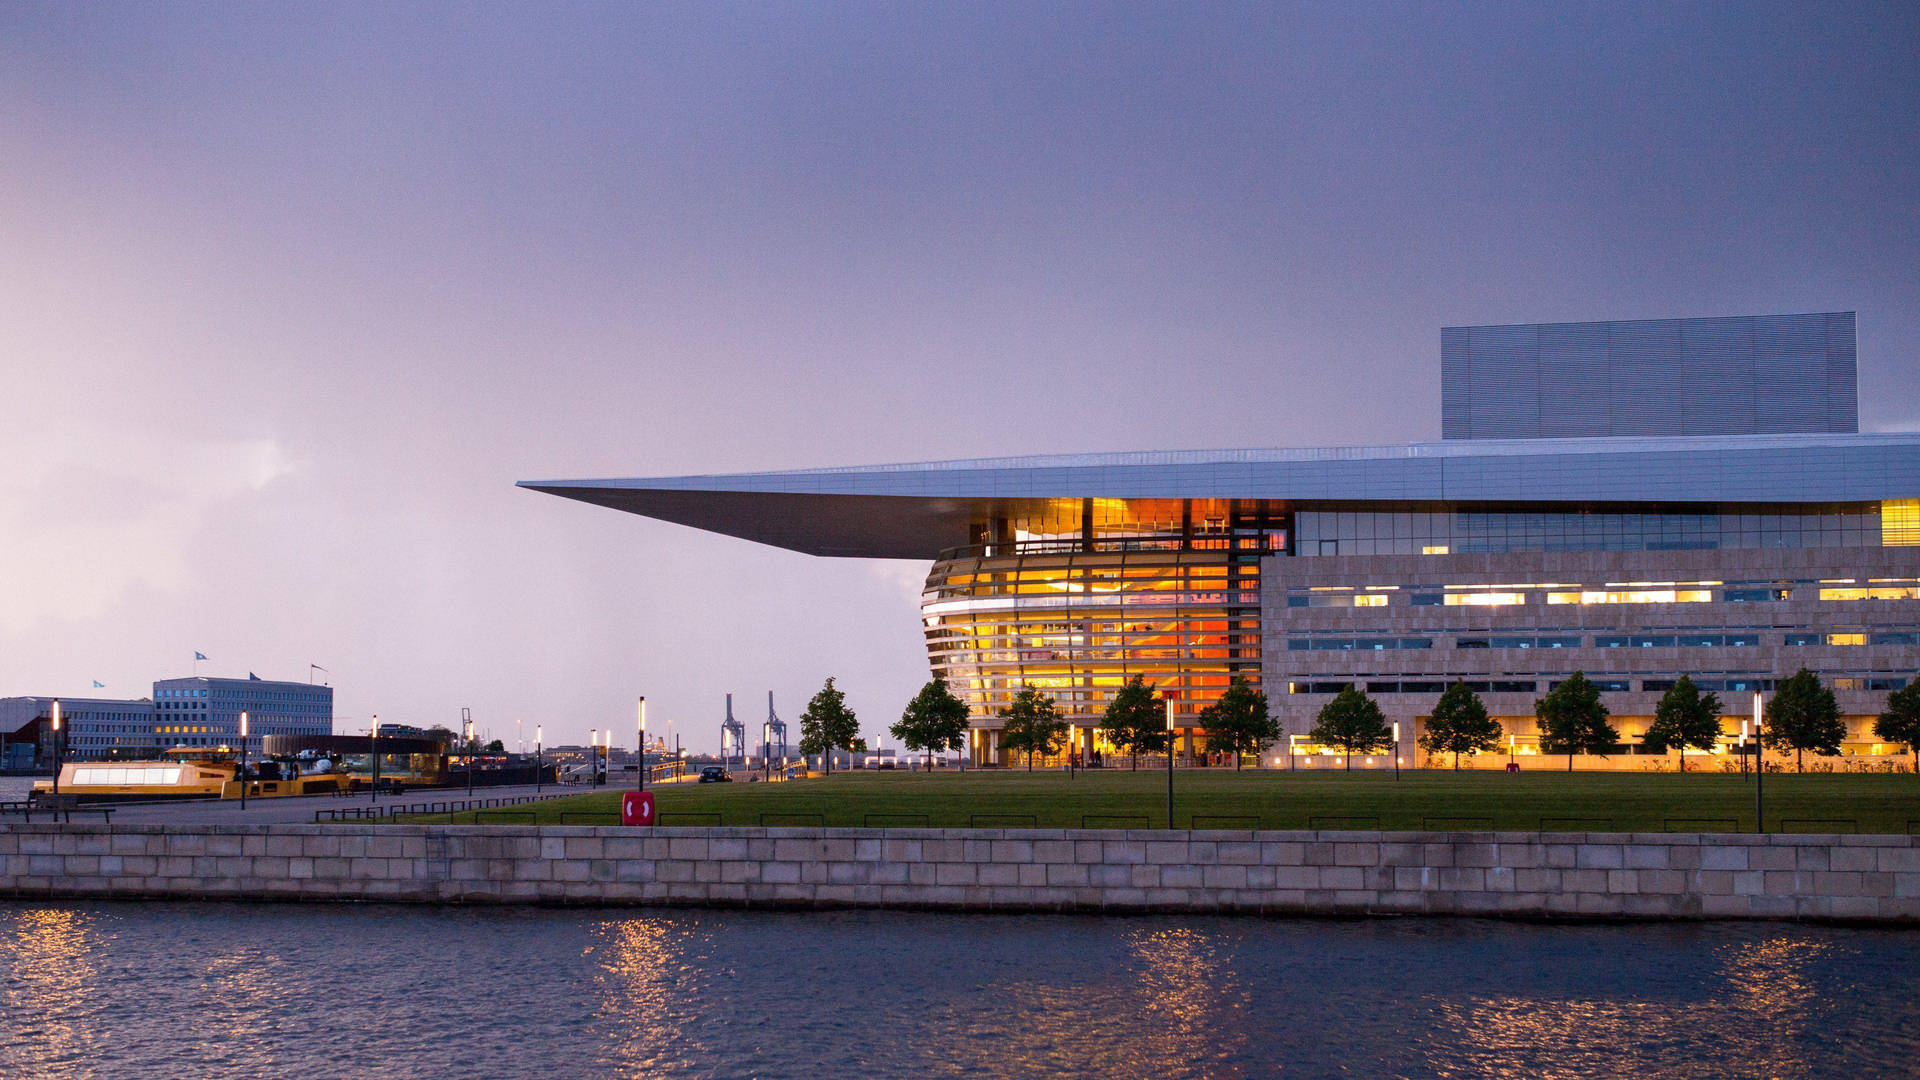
[(1521, 875)]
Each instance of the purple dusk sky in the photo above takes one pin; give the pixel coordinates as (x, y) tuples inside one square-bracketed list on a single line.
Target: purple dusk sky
[(293, 293)]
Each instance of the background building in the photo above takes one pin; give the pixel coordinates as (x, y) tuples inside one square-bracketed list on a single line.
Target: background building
[(1636, 500), (94, 728), (205, 711)]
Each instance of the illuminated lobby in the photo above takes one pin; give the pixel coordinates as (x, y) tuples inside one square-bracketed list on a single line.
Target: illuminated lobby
[(1633, 500)]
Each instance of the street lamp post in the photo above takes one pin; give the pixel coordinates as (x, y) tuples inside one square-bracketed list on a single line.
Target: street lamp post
[(1396, 750), (766, 750), (643, 743), (469, 726), (56, 751), (1759, 770), (539, 765), (243, 761), (1169, 760), (374, 788), (593, 757)]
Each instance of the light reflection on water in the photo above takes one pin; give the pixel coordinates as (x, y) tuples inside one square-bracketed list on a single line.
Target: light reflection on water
[(210, 990)]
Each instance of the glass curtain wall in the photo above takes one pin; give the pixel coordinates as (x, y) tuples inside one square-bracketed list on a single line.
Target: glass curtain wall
[(1084, 594)]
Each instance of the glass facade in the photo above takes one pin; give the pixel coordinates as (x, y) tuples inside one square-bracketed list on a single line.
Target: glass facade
[(1078, 624)]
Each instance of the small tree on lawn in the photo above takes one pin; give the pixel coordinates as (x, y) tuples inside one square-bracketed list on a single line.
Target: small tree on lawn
[(1685, 717), (1573, 721), (828, 725), (1136, 720), (1460, 725), (1352, 722), (1901, 722), (1803, 716), (933, 720), (1239, 723), (1032, 723)]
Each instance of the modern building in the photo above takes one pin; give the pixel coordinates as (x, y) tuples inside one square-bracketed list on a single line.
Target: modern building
[(92, 728), (205, 711), (1635, 500)]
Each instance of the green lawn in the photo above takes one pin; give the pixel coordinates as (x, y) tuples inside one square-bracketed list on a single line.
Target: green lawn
[(1576, 802)]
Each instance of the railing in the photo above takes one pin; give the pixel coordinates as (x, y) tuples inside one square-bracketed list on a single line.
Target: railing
[(1249, 540), (389, 811), (61, 809)]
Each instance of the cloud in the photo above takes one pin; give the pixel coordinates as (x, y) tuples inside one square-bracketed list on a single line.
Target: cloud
[(89, 513)]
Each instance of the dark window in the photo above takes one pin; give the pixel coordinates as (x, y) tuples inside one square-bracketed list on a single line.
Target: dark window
[(1470, 643), (1500, 687), (1426, 600), (1422, 687), (1803, 639)]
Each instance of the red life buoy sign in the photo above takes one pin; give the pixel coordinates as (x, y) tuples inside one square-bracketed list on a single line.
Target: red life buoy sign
[(636, 808)]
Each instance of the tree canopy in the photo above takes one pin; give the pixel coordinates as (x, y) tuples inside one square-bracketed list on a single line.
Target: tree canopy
[(1803, 716), (1353, 722), (1573, 720), (1685, 717), (828, 724), (1033, 724), (933, 720), (1136, 721), (1901, 722), (1238, 723), (1460, 725)]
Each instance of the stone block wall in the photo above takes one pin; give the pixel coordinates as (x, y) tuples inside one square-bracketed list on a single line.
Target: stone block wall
[(1523, 875)]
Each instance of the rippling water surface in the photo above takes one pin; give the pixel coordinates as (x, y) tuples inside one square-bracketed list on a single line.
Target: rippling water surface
[(213, 990)]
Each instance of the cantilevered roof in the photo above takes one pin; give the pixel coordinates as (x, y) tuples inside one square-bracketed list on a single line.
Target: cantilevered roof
[(912, 511)]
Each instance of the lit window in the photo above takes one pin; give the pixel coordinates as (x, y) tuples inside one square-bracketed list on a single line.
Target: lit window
[(1434, 549), (1485, 599)]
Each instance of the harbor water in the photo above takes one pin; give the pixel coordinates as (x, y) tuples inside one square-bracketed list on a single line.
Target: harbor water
[(103, 990)]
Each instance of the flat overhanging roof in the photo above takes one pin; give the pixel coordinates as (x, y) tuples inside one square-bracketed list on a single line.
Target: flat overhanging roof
[(913, 511)]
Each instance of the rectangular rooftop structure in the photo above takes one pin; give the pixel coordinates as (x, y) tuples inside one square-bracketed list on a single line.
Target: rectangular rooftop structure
[(1742, 375)]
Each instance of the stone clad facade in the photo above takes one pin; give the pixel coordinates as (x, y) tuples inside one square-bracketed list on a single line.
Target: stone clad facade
[(1860, 647), (1525, 875)]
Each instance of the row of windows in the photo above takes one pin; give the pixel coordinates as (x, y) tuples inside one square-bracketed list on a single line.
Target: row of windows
[(1736, 684), (1736, 639), (1365, 532), (1639, 592)]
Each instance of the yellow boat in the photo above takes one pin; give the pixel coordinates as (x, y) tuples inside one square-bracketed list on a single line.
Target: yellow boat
[(193, 773)]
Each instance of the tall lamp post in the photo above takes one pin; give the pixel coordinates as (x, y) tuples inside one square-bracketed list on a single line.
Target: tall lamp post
[(593, 757), (374, 788), (1759, 770), (469, 727), (642, 752), (243, 761), (1396, 749), (56, 750), (1169, 760), (539, 767), (766, 749)]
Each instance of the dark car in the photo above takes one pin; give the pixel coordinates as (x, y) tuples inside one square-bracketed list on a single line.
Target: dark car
[(714, 774)]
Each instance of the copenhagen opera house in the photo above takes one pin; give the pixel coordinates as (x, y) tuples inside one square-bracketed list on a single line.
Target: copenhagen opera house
[(1634, 500)]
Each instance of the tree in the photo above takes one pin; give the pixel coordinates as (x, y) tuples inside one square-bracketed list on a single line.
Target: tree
[(496, 747), (1239, 723), (1685, 717), (1901, 722), (1803, 716), (1352, 722), (1573, 721), (1136, 720), (933, 720), (828, 725), (1460, 725), (1032, 723)]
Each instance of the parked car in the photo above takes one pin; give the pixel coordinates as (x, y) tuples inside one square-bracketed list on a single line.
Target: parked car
[(714, 774)]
